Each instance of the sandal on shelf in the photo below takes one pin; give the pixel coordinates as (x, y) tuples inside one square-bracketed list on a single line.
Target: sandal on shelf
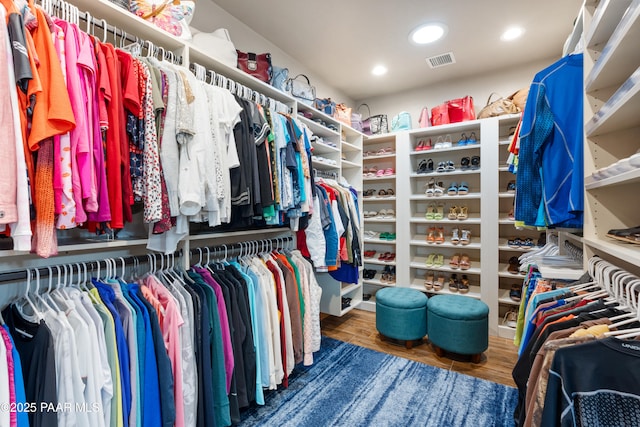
[(527, 243), (453, 189), (382, 214), (431, 211), (455, 236), (514, 265), (439, 143), (439, 260), (382, 193), (515, 293), (425, 166), (510, 319), (380, 173), (464, 163), (389, 172), (475, 162), (391, 257), (439, 235), (430, 187), (390, 214), (463, 213), (463, 140), (428, 280), (465, 262), (448, 143), (463, 284), (390, 192), (450, 166), (383, 236), (368, 193), (439, 283), (515, 243), (431, 235), (453, 283), (463, 188), (465, 237), (455, 261), (384, 256), (453, 212), (422, 166), (370, 235), (430, 260), (472, 139), (442, 167), (438, 189), (424, 145), (439, 214)]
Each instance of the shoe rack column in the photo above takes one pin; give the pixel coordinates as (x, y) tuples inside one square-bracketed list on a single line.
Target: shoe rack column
[(403, 208), (489, 214)]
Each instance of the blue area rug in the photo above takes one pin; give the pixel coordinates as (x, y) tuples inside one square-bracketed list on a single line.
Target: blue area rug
[(354, 386)]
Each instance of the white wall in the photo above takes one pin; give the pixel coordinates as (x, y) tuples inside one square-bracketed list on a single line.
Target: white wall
[(209, 17), (504, 83)]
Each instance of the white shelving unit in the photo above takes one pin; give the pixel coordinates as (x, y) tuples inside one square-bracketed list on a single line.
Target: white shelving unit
[(611, 105), (487, 210)]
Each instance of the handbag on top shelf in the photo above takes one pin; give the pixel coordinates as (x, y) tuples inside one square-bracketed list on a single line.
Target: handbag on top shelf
[(374, 125), (257, 65), (301, 90)]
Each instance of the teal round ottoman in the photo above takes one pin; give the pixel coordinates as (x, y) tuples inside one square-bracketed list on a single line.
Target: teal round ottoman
[(401, 314), (458, 324)]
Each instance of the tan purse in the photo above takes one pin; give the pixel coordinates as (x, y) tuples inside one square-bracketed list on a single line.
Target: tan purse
[(519, 98), (498, 108)]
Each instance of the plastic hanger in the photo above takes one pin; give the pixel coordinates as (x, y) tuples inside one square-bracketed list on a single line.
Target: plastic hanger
[(47, 299), (29, 301)]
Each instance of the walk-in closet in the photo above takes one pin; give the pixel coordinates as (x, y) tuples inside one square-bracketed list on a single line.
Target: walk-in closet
[(367, 213)]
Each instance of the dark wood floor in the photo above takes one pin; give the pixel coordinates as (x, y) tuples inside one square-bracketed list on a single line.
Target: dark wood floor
[(359, 327)]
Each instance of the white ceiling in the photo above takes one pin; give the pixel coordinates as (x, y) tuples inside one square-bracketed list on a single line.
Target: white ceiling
[(341, 40)]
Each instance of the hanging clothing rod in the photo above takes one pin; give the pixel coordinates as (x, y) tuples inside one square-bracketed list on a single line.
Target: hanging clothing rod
[(236, 88), (18, 275), (219, 251)]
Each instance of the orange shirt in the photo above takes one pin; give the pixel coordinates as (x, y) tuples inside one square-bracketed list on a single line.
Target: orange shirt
[(52, 113)]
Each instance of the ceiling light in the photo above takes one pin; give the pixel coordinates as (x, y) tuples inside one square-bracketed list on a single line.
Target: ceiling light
[(427, 33), (379, 70), (512, 34)]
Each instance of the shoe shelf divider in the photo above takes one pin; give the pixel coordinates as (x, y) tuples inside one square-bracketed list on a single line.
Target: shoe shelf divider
[(611, 120)]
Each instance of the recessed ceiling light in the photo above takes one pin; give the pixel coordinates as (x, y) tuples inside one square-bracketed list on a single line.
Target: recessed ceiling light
[(379, 70), (512, 34), (427, 33)]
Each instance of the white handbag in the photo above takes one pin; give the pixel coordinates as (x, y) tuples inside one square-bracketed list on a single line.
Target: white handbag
[(218, 45)]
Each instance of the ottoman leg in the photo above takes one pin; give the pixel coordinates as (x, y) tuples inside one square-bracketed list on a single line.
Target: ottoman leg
[(408, 344), (476, 358), (382, 337), (439, 351)]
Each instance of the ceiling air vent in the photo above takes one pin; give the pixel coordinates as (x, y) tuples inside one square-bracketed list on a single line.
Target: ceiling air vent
[(441, 60)]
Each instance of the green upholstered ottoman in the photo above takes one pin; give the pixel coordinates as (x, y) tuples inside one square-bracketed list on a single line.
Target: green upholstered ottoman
[(401, 314), (458, 324)]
